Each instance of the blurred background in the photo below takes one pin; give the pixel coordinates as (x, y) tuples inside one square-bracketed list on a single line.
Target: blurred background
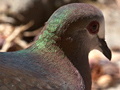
[(22, 20)]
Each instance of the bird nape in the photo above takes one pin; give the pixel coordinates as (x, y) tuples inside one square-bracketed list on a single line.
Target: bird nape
[(58, 60)]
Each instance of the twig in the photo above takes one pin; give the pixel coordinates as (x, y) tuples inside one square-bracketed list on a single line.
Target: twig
[(20, 42), (14, 34), (33, 33)]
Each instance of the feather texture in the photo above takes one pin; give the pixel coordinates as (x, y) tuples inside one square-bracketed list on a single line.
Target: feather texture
[(58, 60)]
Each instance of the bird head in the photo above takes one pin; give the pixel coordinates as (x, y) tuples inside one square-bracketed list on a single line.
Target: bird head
[(95, 29), (87, 26), (96, 32)]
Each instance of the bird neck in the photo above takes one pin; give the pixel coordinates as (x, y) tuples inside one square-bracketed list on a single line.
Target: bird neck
[(78, 55), (80, 61), (50, 41)]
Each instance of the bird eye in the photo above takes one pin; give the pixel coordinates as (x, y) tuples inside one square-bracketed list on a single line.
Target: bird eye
[(93, 27)]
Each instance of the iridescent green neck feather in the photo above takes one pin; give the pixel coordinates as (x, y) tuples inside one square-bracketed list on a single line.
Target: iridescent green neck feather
[(52, 30)]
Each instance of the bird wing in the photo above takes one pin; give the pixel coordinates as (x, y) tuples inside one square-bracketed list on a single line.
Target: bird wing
[(14, 79), (22, 74), (25, 70)]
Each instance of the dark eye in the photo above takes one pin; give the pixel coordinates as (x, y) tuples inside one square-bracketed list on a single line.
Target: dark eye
[(93, 27)]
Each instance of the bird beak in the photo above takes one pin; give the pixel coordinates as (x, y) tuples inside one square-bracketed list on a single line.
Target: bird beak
[(105, 50)]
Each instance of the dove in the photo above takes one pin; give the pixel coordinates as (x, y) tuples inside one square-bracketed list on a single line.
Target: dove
[(58, 59)]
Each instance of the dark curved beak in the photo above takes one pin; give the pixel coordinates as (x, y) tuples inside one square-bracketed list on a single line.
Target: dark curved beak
[(105, 50)]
